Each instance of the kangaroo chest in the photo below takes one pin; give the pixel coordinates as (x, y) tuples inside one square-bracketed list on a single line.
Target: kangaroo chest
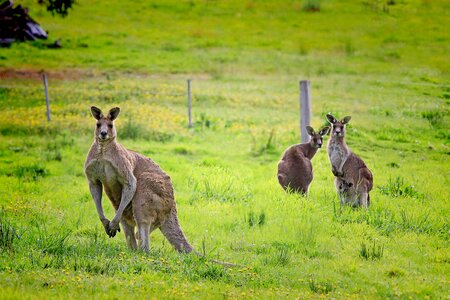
[(336, 153), (105, 172)]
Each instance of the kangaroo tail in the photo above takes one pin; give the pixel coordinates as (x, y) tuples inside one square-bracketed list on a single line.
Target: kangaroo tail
[(172, 231)]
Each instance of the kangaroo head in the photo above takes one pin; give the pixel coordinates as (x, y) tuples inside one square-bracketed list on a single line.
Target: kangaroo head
[(317, 138), (338, 127), (105, 129)]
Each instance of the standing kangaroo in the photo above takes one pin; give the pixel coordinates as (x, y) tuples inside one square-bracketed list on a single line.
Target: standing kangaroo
[(295, 168), (350, 171), (140, 192)]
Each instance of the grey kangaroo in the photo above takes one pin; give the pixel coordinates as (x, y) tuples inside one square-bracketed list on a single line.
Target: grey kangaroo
[(295, 168), (350, 171), (140, 192)]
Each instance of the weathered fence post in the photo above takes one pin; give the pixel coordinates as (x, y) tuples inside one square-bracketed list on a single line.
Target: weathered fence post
[(47, 100), (189, 103), (305, 110)]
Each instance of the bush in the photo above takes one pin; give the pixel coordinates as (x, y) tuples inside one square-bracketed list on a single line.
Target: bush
[(311, 6)]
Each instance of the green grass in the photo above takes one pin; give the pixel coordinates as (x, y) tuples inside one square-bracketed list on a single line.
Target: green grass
[(382, 62)]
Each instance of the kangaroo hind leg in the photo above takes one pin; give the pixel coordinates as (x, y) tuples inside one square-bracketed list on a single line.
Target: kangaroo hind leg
[(128, 230)]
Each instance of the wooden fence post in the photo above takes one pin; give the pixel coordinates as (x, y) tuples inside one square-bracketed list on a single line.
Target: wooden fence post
[(47, 100), (189, 103), (305, 110)]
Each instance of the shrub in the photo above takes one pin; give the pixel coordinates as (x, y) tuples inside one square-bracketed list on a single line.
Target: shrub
[(311, 6)]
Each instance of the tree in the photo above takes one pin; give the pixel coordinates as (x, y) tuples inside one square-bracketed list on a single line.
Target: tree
[(58, 7)]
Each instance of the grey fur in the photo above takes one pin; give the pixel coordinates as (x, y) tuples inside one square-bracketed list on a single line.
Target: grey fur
[(350, 171), (295, 168), (139, 190)]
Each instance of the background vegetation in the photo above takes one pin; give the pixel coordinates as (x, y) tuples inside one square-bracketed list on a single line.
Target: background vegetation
[(385, 63)]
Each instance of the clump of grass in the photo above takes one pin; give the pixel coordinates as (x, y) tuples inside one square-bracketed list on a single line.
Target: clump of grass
[(281, 257), (311, 6), (131, 130), (33, 172), (435, 117), (212, 272), (54, 243), (219, 184), (419, 223), (393, 164), (371, 252), (398, 188), (254, 219), (319, 287), (8, 233), (203, 122), (349, 48), (182, 150), (395, 272), (267, 147)]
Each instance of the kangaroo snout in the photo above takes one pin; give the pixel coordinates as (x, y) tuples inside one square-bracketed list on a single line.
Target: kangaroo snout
[(103, 134)]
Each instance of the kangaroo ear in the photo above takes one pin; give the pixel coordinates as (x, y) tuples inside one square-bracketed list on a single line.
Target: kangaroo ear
[(113, 113), (310, 130), (96, 112), (324, 130), (331, 119), (346, 120)]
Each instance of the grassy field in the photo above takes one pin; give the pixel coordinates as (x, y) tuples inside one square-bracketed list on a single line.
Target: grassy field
[(385, 63)]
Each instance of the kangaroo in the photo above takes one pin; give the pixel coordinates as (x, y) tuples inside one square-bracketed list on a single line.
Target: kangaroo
[(139, 190), (345, 191), (349, 170), (295, 168)]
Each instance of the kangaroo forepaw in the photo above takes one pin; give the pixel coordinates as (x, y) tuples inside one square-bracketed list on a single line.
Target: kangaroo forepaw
[(111, 228), (337, 173)]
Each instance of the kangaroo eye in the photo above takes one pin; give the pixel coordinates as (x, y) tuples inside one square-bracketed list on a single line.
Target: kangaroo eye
[(98, 125), (110, 125)]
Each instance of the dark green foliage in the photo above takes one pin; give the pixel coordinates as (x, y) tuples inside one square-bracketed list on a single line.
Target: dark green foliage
[(371, 252), (268, 147), (398, 188), (311, 6), (58, 7), (52, 243), (254, 219), (7, 232), (33, 172), (131, 130), (319, 287), (436, 117)]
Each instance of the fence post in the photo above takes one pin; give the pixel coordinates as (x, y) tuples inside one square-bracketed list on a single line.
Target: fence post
[(189, 103), (305, 110), (47, 100)]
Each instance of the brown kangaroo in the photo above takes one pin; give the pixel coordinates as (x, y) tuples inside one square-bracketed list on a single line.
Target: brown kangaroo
[(140, 192), (353, 179), (295, 168)]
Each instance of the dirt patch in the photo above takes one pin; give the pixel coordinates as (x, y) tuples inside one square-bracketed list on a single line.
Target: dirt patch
[(80, 74), (71, 74)]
